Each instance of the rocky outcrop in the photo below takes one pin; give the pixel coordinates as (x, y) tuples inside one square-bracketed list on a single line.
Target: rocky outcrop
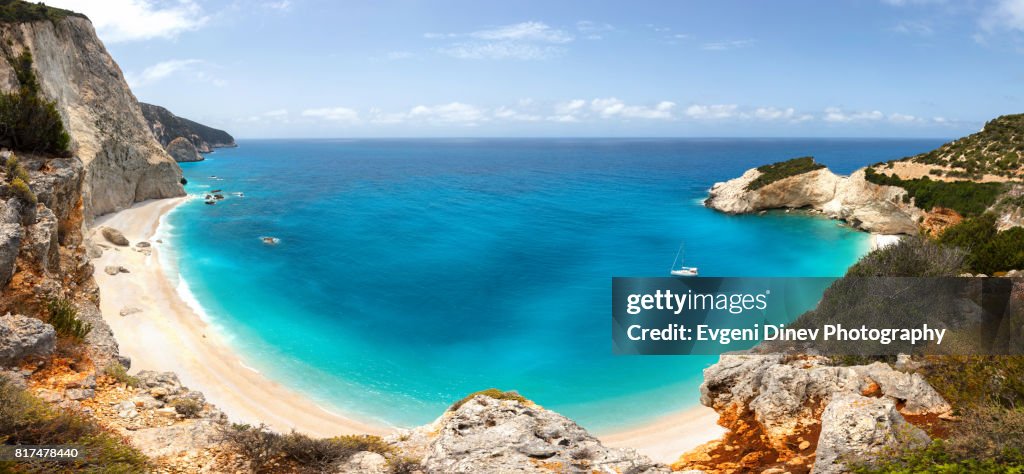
[(123, 162), (773, 404), (183, 151), (168, 127), (114, 236), (22, 336), (857, 428), (864, 205), (490, 435)]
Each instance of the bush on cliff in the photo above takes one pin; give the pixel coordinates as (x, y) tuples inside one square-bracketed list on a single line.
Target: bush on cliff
[(969, 198), (28, 122), (988, 250), (783, 169), (490, 392), (910, 257), (26, 420), (63, 316), (261, 447), (17, 11)]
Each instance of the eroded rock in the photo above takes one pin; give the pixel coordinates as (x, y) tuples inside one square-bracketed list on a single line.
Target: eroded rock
[(854, 428), (22, 336)]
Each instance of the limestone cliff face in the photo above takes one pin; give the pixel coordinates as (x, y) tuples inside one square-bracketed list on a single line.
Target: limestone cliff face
[(864, 205), (123, 163)]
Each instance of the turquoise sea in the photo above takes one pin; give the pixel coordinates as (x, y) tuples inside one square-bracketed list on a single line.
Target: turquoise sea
[(412, 272)]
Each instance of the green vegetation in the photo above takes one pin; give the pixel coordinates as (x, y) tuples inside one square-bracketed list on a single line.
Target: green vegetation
[(63, 316), (26, 420), (117, 372), (997, 149), (988, 251), (783, 169), (19, 180), (910, 257), (988, 395), (187, 407), (966, 197), (28, 122), (17, 11), (491, 392), (263, 448)]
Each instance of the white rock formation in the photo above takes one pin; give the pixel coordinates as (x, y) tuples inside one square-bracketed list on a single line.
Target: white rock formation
[(856, 428), (862, 204)]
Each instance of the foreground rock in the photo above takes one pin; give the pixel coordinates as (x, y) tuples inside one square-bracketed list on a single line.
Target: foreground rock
[(22, 336), (857, 428), (773, 406), (490, 435), (853, 199)]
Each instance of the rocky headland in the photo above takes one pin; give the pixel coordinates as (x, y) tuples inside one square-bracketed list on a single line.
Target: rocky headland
[(184, 139)]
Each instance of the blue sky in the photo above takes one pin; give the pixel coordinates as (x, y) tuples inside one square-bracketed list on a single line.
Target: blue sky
[(397, 68)]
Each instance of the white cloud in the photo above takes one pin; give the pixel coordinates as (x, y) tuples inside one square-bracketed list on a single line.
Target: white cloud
[(593, 30), (502, 50), (134, 20), (160, 71), (612, 107), (506, 113), (530, 40), (1004, 15), (454, 112), (334, 114), (919, 28), (721, 111), (525, 31), (282, 5), (837, 115), (772, 113), (279, 115), (902, 118), (727, 45)]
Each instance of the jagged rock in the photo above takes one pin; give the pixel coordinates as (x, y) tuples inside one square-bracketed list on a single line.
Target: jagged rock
[(93, 251), (784, 396), (918, 397), (103, 348), (160, 385), (175, 439), (10, 243), (146, 402), (854, 427), (114, 270), (40, 244), (49, 396), (366, 462), (114, 236), (22, 336), (862, 204), (490, 435), (79, 393)]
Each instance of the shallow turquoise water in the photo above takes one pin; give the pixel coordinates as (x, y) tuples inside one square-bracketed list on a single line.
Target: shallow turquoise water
[(412, 272)]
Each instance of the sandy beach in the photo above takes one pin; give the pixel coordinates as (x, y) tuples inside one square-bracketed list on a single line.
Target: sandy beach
[(166, 334)]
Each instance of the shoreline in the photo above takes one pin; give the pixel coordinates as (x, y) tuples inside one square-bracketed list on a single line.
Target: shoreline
[(168, 334)]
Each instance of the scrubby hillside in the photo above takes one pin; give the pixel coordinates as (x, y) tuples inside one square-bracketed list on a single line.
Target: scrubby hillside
[(168, 128)]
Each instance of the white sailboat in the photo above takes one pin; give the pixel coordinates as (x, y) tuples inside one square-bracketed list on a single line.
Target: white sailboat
[(681, 271)]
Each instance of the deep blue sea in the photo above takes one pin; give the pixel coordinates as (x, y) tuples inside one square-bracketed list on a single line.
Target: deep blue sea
[(412, 272)]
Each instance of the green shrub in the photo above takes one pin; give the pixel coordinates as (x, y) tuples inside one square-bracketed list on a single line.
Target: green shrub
[(783, 169), (28, 122), (26, 420), (16, 11), (365, 443), (969, 198), (989, 251), (21, 190), (187, 407), (910, 257), (491, 392), (63, 316), (117, 372), (404, 465), (258, 445)]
